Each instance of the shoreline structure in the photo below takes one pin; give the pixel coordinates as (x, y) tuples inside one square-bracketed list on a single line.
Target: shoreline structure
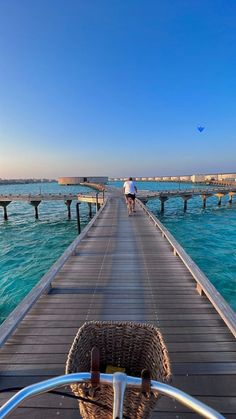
[(217, 178), (222, 178)]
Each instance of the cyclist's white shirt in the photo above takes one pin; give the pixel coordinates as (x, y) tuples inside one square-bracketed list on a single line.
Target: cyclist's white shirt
[(129, 187)]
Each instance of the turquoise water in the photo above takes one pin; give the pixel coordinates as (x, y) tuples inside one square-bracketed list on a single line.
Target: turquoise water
[(28, 247)]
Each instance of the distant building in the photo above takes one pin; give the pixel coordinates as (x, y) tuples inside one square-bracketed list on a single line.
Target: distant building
[(198, 178), (185, 178), (76, 180), (227, 176)]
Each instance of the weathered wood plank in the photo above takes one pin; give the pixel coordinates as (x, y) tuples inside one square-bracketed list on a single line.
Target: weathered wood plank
[(77, 322), (35, 413), (221, 404), (151, 316), (215, 341), (203, 368), (135, 307), (46, 370), (57, 348)]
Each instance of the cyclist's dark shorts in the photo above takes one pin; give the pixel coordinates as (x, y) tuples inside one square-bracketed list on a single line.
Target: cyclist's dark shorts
[(130, 195)]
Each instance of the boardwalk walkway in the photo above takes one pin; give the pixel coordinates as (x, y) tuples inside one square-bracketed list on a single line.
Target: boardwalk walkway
[(124, 270)]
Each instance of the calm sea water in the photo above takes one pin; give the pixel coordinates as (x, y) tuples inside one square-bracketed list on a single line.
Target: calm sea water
[(28, 247)]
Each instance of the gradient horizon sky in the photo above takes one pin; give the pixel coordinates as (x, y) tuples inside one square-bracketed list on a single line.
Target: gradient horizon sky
[(117, 87)]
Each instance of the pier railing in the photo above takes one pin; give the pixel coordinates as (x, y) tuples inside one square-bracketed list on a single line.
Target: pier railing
[(203, 285), (12, 321)]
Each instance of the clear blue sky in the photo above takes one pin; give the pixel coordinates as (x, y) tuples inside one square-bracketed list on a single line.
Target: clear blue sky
[(117, 87)]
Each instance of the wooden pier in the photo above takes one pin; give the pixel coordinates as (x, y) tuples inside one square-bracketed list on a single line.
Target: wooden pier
[(98, 198), (36, 199), (163, 196), (123, 268)]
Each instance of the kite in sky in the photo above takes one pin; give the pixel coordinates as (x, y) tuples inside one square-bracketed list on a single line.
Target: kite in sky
[(200, 129)]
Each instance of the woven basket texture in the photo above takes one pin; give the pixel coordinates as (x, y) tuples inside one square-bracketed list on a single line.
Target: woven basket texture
[(129, 345)]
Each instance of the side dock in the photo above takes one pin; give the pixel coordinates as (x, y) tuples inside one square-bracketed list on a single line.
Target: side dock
[(123, 268), (36, 199)]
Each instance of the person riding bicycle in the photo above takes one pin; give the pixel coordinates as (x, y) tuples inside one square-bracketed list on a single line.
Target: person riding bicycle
[(130, 190)]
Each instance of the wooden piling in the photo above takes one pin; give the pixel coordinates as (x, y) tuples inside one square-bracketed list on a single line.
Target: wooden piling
[(90, 209), (68, 204), (4, 204), (35, 204), (219, 196), (78, 217), (204, 198), (231, 197), (163, 199), (185, 199), (97, 204)]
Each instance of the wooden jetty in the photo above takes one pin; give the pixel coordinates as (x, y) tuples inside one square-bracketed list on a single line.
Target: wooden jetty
[(98, 198), (36, 199), (187, 194), (123, 268)]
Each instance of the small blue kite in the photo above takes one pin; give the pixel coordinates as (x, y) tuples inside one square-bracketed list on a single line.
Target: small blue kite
[(200, 129)]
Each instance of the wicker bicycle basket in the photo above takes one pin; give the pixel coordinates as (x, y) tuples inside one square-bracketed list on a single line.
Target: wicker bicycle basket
[(128, 345)]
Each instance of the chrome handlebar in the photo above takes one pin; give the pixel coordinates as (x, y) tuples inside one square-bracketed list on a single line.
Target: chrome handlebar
[(119, 381)]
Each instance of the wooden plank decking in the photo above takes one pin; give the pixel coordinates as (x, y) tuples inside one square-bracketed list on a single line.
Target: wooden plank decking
[(124, 270)]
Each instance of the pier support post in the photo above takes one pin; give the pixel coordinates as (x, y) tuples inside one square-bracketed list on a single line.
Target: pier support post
[(97, 203), (204, 198), (68, 204), (35, 204), (185, 205), (4, 204), (78, 217), (185, 199), (219, 196), (231, 197), (163, 199), (90, 210)]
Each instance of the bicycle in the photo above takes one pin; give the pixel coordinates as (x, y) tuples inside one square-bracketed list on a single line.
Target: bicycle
[(120, 382), (130, 202), (123, 346)]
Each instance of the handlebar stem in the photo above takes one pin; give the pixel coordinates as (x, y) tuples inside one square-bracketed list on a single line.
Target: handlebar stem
[(119, 386)]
